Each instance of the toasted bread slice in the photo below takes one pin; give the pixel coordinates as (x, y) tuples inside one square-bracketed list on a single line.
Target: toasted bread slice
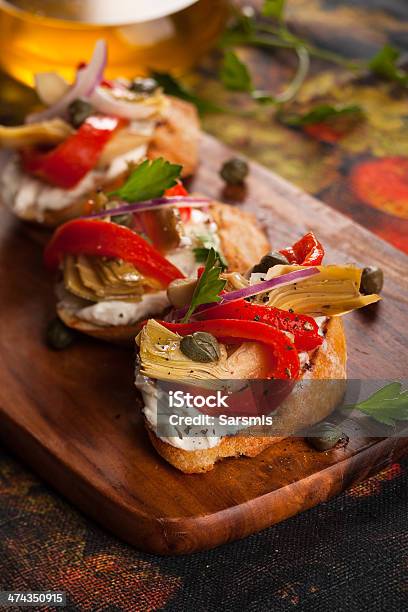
[(241, 249), (176, 138), (306, 406)]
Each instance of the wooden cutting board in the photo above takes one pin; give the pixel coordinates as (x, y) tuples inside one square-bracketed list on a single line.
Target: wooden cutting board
[(75, 417)]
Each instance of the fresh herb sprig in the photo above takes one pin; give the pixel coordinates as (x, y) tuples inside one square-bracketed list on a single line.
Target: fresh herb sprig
[(321, 114), (176, 88), (385, 65), (201, 256), (209, 285), (149, 180), (386, 406), (268, 29)]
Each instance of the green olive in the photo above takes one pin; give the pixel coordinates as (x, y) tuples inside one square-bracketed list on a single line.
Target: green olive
[(201, 347), (234, 171), (324, 436), (78, 111), (180, 291), (372, 280), (268, 261), (59, 336), (145, 86)]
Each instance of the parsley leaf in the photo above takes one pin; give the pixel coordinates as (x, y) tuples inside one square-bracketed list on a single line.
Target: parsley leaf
[(385, 65), (234, 74), (175, 88), (323, 113), (201, 256), (201, 253), (149, 180), (274, 8), (209, 286), (386, 406)]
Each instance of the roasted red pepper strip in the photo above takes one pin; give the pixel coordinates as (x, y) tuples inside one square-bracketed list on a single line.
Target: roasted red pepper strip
[(180, 190), (307, 251), (100, 238), (67, 164), (285, 356), (177, 190), (304, 328)]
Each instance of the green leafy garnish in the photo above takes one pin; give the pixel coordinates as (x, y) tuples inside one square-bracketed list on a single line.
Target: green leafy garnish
[(274, 8), (234, 74), (323, 113), (201, 256), (386, 406), (149, 180), (209, 286), (173, 87), (385, 65), (201, 253)]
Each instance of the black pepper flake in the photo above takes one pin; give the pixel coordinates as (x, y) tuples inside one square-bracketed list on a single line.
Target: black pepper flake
[(290, 348), (204, 431), (287, 372), (257, 318), (265, 299), (291, 310)]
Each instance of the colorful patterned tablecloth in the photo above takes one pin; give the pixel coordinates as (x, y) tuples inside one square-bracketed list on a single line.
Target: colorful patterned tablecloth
[(362, 172), (348, 554)]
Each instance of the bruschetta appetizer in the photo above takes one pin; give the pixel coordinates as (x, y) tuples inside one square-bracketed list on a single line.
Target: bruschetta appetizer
[(86, 138), (282, 324), (115, 265)]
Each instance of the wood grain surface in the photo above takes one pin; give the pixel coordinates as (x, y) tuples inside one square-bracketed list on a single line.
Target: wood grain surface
[(75, 416)]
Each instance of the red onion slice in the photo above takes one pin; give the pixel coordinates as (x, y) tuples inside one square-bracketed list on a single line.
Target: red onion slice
[(103, 100), (155, 204), (280, 281), (86, 82)]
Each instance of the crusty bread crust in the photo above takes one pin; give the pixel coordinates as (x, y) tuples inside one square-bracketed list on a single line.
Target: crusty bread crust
[(229, 219), (243, 241), (176, 138), (308, 404)]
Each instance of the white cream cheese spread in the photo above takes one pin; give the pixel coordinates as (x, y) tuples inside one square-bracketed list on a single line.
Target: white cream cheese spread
[(114, 312), (29, 197), (151, 394)]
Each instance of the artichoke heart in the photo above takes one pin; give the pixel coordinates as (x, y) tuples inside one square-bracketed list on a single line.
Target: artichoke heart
[(122, 142), (162, 359), (30, 135), (334, 291), (97, 278)]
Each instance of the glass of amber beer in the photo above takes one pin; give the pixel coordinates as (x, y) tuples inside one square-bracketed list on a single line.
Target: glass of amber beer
[(142, 35)]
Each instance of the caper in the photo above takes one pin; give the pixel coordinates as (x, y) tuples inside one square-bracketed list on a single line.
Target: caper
[(78, 111), (324, 436), (268, 261), (59, 336), (201, 347), (144, 86), (372, 280), (234, 171)]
